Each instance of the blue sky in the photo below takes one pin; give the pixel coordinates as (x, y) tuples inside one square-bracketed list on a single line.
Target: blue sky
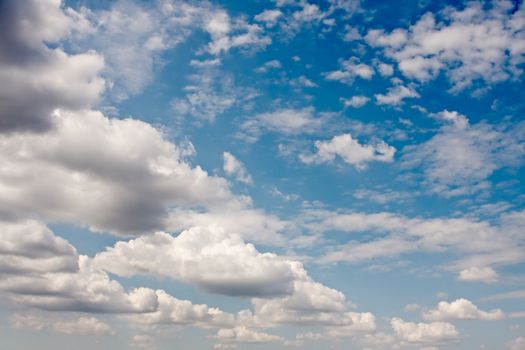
[(262, 174)]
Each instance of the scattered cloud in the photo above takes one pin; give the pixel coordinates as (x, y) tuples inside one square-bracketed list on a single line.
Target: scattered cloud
[(461, 157), (350, 69), (235, 168), (461, 309), (476, 274), (357, 101), (350, 151), (395, 95), (424, 333), (83, 325), (476, 43)]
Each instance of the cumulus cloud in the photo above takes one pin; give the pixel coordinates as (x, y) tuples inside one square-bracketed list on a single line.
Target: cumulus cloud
[(461, 157), (396, 95), (461, 309), (173, 311), (235, 168), (87, 289), (424, 333), (476, 43), (208, 257), (83, 325), (30, 70), (351, 69), (114, 175), (478, 274), (350, 151), (241, 334), (23, 242), (355, 101), (273, 64)]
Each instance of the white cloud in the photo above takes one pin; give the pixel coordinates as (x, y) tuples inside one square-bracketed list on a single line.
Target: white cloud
[(269, 17), (114, 175), (476, 43), (235, 168), (241, 334), (478, 274), (396, 95), (303, 81), (237, 33), (273, 64), (422, 333), (471, 242), (350, 69), (385, 70), (357, 101), (284, 121), (461, 309), (461, 157), (31, 71), (208, 257), (23, 241), (78, 326), (83, 288), (173, 311), (350, 150), (86, 289), (361, 323)]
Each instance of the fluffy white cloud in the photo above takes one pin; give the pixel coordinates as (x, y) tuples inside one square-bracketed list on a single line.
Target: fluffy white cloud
[(284, 121), (461, 309), (396, 95), (241, 334), (423, 333), (361, 323), (22, 242), (273, 64), (208, 257), (310, 303), (235, 168), (83, 325), (461, 157), (350, 150), (113, 175), (355, 101), (31, 71), (478, 274), (86, 289), (351, 69), (83, 288), (469, 44), (173, 311)]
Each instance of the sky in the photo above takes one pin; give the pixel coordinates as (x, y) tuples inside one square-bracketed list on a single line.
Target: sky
[(281, 174)]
